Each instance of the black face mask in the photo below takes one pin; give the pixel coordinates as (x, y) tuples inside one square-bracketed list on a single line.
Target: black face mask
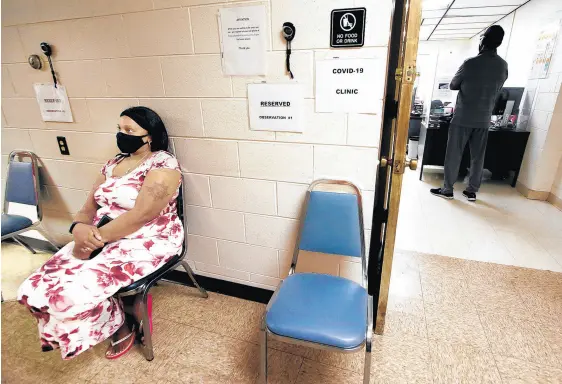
[(129, 143)]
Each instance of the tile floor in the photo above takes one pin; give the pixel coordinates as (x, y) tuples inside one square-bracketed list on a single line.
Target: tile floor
[(17, 264), (501, 227), (449, 321)]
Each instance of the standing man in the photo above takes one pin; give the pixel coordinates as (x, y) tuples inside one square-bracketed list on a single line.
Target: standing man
[(478, 80)]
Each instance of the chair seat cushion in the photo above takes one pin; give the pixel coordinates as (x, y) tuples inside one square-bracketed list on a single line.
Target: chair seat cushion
[(13, 223), (320, 308)]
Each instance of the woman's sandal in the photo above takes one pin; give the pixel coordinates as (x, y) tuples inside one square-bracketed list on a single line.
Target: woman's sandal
[(127, 349)]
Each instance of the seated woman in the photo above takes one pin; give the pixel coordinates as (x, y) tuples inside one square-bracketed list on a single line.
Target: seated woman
[(71, 296)]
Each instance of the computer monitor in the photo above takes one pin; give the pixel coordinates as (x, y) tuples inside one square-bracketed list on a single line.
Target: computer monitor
[(508, 94)]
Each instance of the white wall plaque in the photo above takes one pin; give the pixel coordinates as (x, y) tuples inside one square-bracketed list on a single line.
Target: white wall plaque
[(348, 85), (276, 107), (53, 103)]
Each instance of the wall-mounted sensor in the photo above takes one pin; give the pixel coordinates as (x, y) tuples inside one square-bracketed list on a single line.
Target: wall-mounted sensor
[(289, 31), (35, 61), (46, 48)]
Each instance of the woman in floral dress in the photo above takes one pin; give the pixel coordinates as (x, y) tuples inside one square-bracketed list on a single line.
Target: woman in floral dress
[(71, 296)]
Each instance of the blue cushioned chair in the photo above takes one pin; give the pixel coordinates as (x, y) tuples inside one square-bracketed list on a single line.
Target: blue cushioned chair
[(318, 310), (22, 187)]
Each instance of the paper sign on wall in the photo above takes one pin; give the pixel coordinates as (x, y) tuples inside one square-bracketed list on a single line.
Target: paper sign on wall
[(53, 103), (276, 107), (348, 85), (545, 48), (442, 89), (243, 40)]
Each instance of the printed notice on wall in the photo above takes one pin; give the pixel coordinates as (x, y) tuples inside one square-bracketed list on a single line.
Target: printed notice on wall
[(243, 40), (544, 50), (276, 107), (53, 103), (442, 89), (349, 85)]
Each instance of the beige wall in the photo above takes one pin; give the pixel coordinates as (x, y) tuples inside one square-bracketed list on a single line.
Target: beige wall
[(244, 187)]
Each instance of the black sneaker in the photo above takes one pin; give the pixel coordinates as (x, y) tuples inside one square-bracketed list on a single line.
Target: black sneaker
[(439, 192), (470, 196)]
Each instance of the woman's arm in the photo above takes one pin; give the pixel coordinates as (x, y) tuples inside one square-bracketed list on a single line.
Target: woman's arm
[(157, 189), (88, 212)]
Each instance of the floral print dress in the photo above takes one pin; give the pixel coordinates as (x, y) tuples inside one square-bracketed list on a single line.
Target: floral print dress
[(72, 299)]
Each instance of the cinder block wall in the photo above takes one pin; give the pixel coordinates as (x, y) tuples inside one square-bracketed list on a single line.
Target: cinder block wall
[(244, 188)]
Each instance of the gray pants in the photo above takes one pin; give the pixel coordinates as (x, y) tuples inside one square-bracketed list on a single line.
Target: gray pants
[(477, 140)]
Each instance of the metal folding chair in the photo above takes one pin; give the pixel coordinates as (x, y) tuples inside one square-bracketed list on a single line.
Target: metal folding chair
[(319, 310), (143, 285), (22, 187)]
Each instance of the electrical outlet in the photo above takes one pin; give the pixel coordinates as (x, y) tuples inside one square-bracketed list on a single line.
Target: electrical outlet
[(61, 140)]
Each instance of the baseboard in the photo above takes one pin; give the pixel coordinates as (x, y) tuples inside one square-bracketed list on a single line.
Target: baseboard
[(531, 193), (555, 200), (223, 287)]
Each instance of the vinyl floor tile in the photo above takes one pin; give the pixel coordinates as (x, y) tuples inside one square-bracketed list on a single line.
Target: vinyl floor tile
[(454, 325), (518, 338), (282, 368), (515, 371), (401, 323), (400, 360), (315, 373), (462, 363)]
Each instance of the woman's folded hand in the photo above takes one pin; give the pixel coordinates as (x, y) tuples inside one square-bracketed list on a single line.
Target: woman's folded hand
[(87, 238)]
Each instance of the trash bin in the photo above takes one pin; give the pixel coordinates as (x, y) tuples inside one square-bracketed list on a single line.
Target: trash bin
[(413, 142)]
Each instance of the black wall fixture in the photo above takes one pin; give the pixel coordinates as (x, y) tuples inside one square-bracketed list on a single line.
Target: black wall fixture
[(48, 51)]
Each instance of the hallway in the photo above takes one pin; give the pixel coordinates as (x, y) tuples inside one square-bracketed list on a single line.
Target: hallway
[(449, 321), (501, 227)]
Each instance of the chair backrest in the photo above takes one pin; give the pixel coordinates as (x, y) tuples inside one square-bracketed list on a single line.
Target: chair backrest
[(22, 181), (332, 223)]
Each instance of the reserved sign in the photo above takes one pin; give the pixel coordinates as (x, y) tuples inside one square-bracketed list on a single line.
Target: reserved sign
[(275, 107)]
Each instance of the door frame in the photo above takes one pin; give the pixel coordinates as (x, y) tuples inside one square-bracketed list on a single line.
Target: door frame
[(400, 78)]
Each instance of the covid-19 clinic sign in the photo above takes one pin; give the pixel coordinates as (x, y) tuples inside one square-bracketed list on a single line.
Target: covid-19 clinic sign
[(349, 85)]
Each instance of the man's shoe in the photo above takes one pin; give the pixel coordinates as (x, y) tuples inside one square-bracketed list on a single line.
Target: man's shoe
[(439, 192), (470, 196)]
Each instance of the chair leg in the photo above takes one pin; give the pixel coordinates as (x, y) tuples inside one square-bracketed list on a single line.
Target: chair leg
[(367, 370), (48, 238), (187, 268), (147, 344), (24, 244), (263, 367)]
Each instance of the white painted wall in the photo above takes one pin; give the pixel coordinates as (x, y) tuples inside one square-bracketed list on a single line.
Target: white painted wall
[(244, 188)]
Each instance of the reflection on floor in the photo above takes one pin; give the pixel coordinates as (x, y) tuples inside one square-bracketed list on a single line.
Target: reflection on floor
[(449, 321), (17, 264), (501, 227)]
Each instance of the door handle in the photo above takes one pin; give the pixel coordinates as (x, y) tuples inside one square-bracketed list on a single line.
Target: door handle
[(412, 164)]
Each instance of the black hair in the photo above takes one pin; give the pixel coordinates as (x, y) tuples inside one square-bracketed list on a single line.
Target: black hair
[(147, 119), (493, 37)]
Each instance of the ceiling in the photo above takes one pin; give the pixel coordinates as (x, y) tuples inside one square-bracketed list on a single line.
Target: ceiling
[(462, 19)]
